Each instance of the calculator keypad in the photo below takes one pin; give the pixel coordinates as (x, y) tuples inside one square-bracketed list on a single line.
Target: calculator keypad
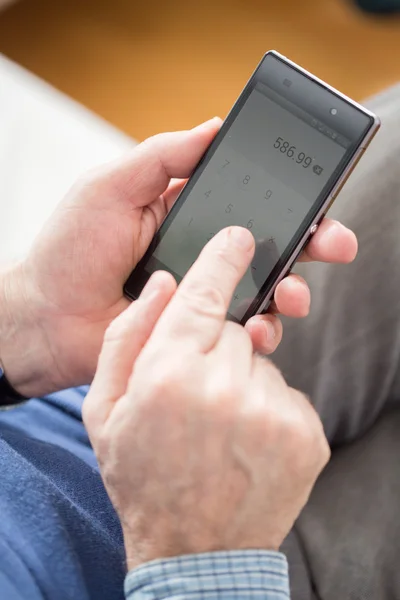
[(233, 191)]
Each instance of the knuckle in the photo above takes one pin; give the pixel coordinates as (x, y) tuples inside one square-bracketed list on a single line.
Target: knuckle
[(297, 425), (166, 380), (225, 389), (204, 300), (299, 433), (306, 433), (168, 392), (321, 448), (325, 451), (222, 410)]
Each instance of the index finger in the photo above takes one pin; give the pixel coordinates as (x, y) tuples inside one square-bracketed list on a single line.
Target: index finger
[(197, 312)]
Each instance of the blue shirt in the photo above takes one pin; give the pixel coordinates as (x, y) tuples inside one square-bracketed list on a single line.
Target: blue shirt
[(60, 537)]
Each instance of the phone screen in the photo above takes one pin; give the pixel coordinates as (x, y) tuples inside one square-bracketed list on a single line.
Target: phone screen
[(267, 173)]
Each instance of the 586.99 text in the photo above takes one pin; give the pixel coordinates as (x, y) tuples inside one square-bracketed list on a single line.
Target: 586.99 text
[(291, 152)]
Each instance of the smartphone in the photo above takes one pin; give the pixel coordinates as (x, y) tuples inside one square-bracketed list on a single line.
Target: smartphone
[(278, 162)]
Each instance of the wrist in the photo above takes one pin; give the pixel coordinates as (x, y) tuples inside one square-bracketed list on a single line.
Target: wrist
[(140, 549), (24, 352)]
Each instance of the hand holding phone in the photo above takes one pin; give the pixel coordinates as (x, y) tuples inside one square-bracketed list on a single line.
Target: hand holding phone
[(278, 162)]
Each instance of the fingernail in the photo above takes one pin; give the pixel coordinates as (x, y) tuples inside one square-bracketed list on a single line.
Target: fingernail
[(151, 286), (301, 283), (241, 237), (338, 224), (335, 226), (212, 120), (269, 331), (207, 123)]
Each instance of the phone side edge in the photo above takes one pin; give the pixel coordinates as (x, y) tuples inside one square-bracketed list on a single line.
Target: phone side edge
[(331, 197)]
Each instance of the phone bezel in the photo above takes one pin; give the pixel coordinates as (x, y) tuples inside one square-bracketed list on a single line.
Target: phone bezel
[(139, 275)]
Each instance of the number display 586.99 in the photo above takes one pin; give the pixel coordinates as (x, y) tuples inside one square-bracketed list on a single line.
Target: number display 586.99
[(291, 151)]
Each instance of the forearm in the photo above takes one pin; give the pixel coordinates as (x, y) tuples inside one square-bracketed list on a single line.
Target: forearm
[(212, 576), (24, 353)]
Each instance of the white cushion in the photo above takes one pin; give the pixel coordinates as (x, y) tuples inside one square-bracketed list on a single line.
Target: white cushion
[(46, 141)]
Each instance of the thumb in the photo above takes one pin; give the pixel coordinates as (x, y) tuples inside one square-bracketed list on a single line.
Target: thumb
[(123, 342), (138, 178)]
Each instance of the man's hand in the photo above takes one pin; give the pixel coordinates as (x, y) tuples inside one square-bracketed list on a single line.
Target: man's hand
[(59, 302), (201, 444)]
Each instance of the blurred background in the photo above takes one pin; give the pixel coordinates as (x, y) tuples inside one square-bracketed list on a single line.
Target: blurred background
[(157, 65)]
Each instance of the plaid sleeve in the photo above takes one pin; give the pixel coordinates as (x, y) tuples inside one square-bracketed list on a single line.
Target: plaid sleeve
[(235, 575)]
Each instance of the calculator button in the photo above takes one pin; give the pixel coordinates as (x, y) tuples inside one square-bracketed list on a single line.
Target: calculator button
[(288, 213), (244, 181)]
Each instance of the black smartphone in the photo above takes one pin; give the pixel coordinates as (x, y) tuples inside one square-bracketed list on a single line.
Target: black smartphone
[(275, 167)]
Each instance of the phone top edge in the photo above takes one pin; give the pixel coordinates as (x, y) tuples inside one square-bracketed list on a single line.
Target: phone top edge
[(320, 81)]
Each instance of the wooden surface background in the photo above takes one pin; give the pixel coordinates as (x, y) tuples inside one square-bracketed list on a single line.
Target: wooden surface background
[(160, 65)]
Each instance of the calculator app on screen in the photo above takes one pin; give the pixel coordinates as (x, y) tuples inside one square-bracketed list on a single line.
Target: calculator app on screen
[(265, 175)]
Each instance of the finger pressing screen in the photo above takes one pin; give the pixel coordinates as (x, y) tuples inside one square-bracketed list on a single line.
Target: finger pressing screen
[(196, 314)]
